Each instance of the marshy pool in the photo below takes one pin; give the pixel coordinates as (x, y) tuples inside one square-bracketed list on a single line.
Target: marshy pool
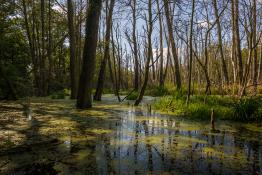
[(121, 139)]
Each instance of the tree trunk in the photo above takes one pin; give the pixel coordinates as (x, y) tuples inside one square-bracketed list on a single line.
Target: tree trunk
[(72, 42), (173, 45), (84, 97), (136, 81), (117, 81), (220, 43), (191, 51), (161, 72), (43, 76), (255, 63), (235, 12), (101, 78), (149, 52)]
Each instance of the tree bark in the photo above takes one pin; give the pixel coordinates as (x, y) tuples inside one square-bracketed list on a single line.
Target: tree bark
[(149, 52), (43, 76), (173, 45), (84, 97), (106, 58), (136, 65), (72, 42), (255, 55), (161, 72), (191, 51), (220, 43), (235, 12)]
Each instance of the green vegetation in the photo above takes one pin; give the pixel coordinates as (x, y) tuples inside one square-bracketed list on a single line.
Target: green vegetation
[(226, 108)]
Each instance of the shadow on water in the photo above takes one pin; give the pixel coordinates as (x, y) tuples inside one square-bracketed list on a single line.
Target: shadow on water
[(120, 139)]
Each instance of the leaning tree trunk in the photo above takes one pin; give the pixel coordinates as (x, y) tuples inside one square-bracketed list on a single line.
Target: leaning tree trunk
[(101, 78), (149, 53), (84, 97), (173, 45)]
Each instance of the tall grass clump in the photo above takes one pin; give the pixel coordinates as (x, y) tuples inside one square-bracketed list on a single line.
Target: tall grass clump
[(248, 109), (200, 107)]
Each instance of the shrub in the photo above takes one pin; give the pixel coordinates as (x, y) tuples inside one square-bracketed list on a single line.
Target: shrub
[(247, 109), (198, 111)]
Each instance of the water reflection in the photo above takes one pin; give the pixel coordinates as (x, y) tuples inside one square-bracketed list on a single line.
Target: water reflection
[(148, 143)]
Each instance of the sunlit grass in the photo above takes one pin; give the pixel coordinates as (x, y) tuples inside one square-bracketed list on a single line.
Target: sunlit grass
[(200, 107)]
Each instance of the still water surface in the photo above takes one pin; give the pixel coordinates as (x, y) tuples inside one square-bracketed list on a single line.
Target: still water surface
[(151, 143), (122, 139)]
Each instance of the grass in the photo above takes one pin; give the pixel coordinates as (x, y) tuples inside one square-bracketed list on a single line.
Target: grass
[(226, 107)]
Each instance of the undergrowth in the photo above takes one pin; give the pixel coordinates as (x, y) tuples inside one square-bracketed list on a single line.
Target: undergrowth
[(200, 107)]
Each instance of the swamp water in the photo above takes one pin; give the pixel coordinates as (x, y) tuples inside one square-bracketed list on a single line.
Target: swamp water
[(121, 139)]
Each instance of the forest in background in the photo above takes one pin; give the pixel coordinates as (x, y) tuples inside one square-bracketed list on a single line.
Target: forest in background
[(130, 47)]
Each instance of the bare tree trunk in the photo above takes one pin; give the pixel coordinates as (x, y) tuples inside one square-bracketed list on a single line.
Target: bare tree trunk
[(235, 12), (50, 45), (117, 81), (31, 40), (43, 77), (161, 73), (84, 98), (173, 45), (136, 81), (149, 52), (254, 22), (191, 51), (72, 42), (260, 66), (101, 78), (220, 43)]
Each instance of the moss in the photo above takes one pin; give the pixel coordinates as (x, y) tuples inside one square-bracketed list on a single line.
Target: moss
[(254, 127), (187, 139), (99, 131)]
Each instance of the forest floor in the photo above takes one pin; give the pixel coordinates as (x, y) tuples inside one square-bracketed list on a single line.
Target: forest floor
[(114, 138)]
